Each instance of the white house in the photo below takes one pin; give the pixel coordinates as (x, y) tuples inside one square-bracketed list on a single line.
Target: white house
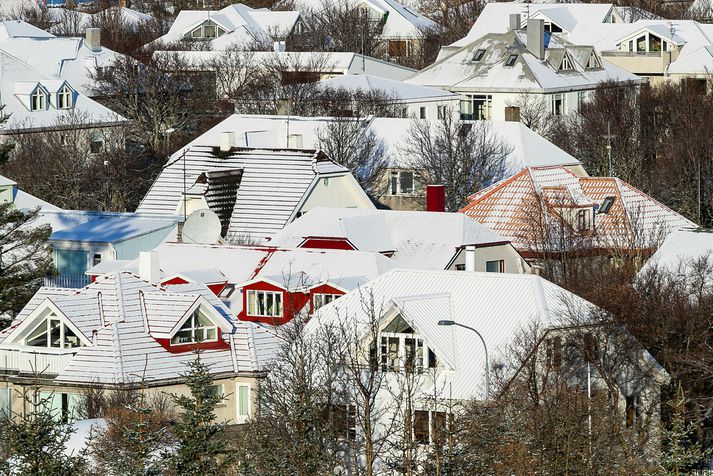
[(254, 192), (501, 70), (413, 100), (413, 239), (449, 328), (236, 25)]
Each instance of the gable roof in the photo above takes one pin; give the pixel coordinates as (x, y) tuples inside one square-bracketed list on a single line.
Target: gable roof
[(456, 71), (118, 312), (507, 206), (497, 305), (682, 252), (272, 185), (419, 240)]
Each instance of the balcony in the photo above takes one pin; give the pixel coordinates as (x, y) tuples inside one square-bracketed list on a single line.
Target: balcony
[(31, 359), (74, 281)]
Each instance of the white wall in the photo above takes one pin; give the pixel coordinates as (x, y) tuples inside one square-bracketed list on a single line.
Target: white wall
[(341, 191)]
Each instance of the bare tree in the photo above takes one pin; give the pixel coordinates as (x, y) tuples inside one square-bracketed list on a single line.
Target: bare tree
[(463, 156)]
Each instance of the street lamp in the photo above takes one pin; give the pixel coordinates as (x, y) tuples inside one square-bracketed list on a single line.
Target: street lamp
[(487, 360)]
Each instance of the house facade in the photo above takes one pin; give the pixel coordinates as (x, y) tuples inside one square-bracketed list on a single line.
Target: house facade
[(113, 333)]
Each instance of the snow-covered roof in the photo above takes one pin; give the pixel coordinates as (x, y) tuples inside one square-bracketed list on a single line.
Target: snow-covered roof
[(399, 90), (694, 39), (121, 316), (400, 21), (18, 80), (82, 20), (635, 219), (497, 305), (495, 17), (306, 61), (273, 183), (458, 71), (20, 29), (242, 25), (528, 149), (290, 268), (104, 227), (54, 57), (418, 240), (682, 252)]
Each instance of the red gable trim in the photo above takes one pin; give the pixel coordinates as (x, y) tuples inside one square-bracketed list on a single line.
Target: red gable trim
[(327, 243), (219, 344)]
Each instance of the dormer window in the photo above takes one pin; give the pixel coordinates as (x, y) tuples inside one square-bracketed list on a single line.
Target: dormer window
[(593, 61), (511, 60), (64, 97), (264, 303), (566, 64), (197, 328), (38, 100), (584, 221), (208, 30), (478, 55), (401, 349), (53, 333), (322, 299)]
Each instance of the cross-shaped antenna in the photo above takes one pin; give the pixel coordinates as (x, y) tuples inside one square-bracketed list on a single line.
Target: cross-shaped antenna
[(609, 137)]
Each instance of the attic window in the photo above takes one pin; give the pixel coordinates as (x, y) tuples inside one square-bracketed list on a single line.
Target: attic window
[(64, 97), (511, 60), (478, 55), (264, 303), (592, 62), (207, 30), (38, 100), (321, 299), (197, 328), (606, 205), (566, 64), (53, 333)]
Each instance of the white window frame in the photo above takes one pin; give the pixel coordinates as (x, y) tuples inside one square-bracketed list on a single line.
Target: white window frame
[(566, 64), (38, 100), (239, 417), (512, 59), (323, 299), (193, 319), (276, 308), (62, 326), (430, 424), (221, 391), (558, 97), (483, 112), (582, 98), (400, 362), (501, 265), (64, 98), (593, 61), (441, 111), (398, 183)]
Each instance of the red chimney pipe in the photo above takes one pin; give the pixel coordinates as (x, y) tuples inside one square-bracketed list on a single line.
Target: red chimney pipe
[(435, 198)]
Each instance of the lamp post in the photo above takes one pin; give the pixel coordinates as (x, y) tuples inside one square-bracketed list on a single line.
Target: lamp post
[(487, 360)]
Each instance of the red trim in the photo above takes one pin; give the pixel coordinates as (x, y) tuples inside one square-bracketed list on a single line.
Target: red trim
[(327, 243), (176, 280), (216, 288), (292, 303), (322, 289), (219, 344)]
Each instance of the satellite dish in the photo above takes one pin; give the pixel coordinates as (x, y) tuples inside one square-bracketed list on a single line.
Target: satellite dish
[(201, 227)]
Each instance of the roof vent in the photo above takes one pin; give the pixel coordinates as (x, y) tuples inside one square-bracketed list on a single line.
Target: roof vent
[(227, 141)]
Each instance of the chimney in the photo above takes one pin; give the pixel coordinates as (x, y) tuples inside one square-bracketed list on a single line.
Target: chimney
[(279, 47), (227, 141), (435, 198), (93, 39), (148, 266), (536, 38), (470, 258), (515, 22), (512, 114)]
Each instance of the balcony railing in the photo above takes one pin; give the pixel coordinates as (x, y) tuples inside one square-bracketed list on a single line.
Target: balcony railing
[(28, 359), (68, 281), (632, 54)]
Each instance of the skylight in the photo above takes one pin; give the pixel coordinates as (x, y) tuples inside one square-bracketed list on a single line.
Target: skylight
[(511, 60), (478, 55)]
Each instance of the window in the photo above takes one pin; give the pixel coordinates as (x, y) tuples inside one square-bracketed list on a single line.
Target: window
[(96, 146), (345, 421), (321, 299), (208, 30), (641, 43), (64, 97), (197, 328), (654, 43), (403, 183), (552, 27), (582, 97), (495, 266), (39, 100), (554, 352), (53, 333), (264, 303), (227, 291), (5, 402), (398, 48), (476, 107), (632, 411), (558, 104), (583, 221), (217, 390), (478, 55), (566, 64), (606, 205), (590, 347), (441, 112), (62, 406), (421, 433), (407, 351), (422, 112), (96, 259), (243, 406), (511, 60), (593, 61)]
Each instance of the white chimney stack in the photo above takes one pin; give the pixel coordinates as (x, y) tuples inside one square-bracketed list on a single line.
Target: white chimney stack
[(470, 258), (227, 141), (93, 39), (536, 38), (149, 267)]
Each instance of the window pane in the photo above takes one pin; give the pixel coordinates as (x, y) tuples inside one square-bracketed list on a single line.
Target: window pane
[(260, 303), (393, 353), (182, 337), (210, 333), (270, 304), (278, 304), (38, 337), (420, 427), (209, 31), (406, 182), (252, 303), (202, 320), (493, 266), (243, 400), (55, 330), (70, 338)]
